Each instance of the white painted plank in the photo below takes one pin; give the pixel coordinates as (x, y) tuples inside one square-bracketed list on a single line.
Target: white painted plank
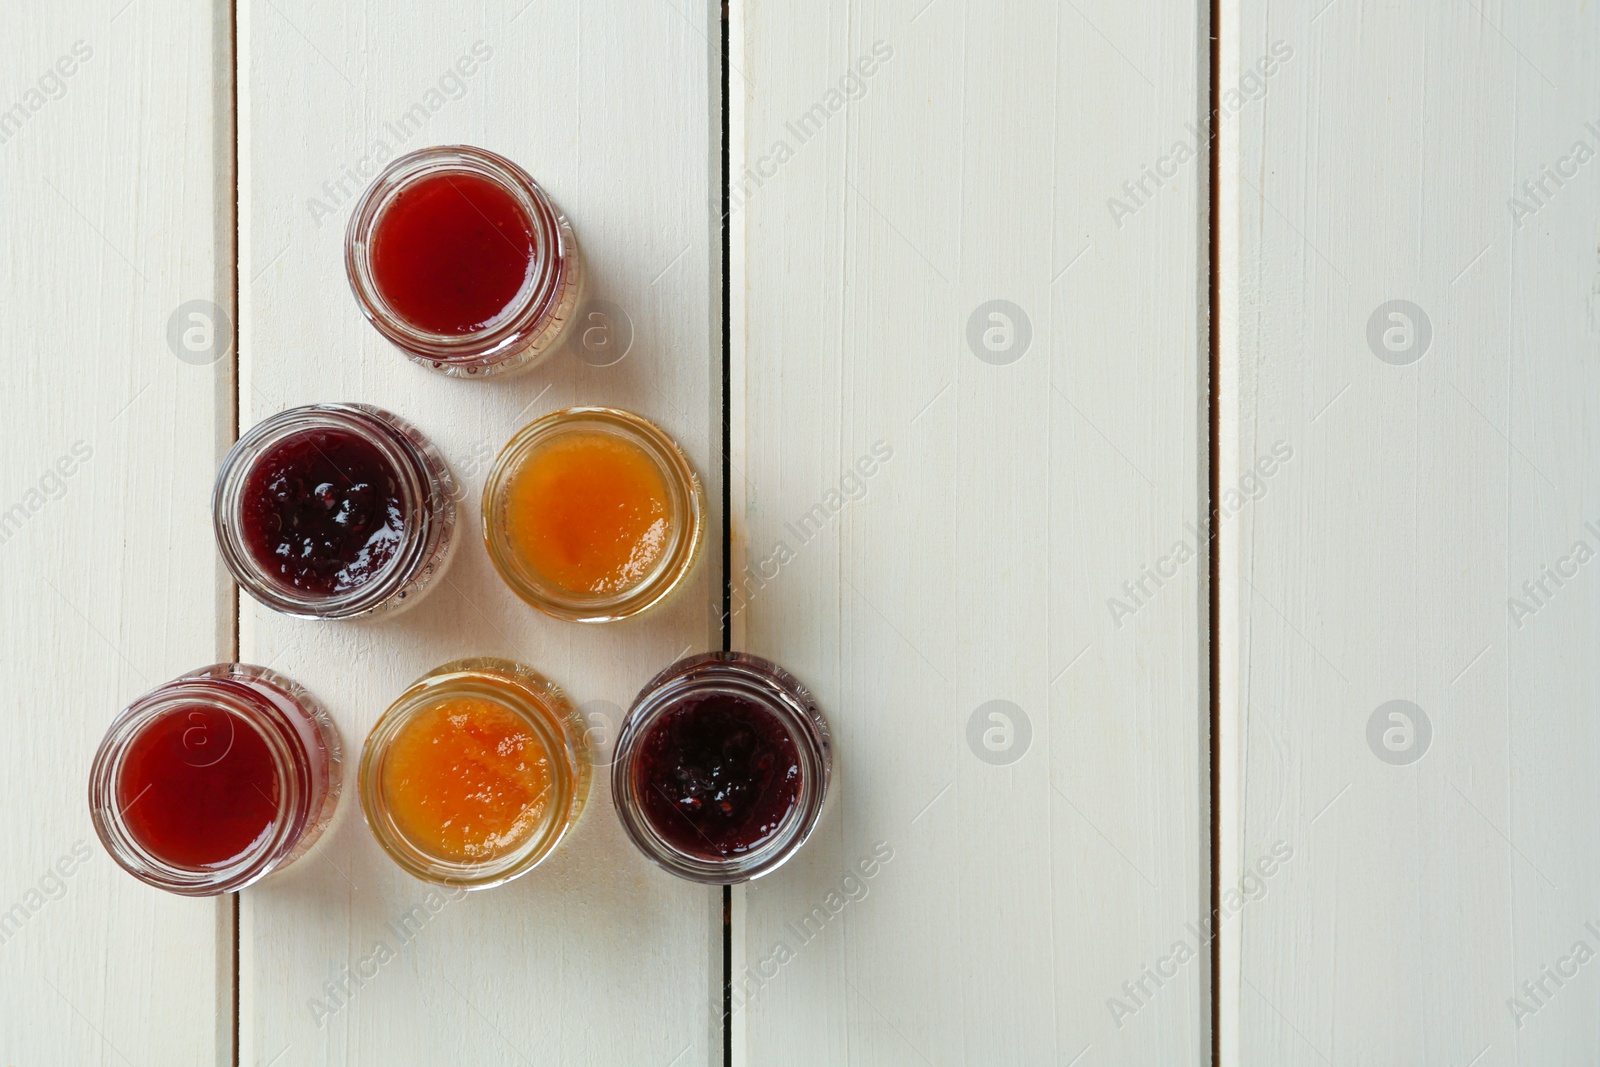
[(1377, 166), (974, 162), (596, 957), (115, 158)]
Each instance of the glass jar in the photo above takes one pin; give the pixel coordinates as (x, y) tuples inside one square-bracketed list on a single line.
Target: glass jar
[(475, 774), (334, 511), (463, 262), (216, 779), (593, 514), (722, 767)]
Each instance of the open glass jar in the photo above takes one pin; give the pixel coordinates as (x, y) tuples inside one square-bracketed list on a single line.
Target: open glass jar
[(215, 779), (593, 514), (463, 262), (334, 511), (722, 767), (476, 773)]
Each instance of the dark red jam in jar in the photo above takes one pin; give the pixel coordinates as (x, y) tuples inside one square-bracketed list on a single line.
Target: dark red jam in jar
[(463, 262), (334, 511), (323, 512), (215, 779), (722, 767), (717, 774), (198, 786), (451, 251)]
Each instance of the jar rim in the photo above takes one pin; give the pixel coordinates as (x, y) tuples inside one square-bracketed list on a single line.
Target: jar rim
[(231, 689), (538, 298), (686, 515), (425, 483), (769, 686), (539, 704)]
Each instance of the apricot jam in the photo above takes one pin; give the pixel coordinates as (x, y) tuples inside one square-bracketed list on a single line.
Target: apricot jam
[(467, 779), (475, 774), (717, 775), (198, 787), (592, 514), (451, 251), (322, 511), (588, 512)]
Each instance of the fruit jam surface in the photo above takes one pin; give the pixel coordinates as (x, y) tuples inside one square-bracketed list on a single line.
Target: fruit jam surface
[(322, 512), (198, 787), (450, 252), (467, 780), (717, 775), (587, 511)]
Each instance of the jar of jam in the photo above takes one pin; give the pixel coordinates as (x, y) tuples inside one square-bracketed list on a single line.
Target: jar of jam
[(215, 779), (475, 774), (334, 511), (593, 514), (463, 262), (722, 767)]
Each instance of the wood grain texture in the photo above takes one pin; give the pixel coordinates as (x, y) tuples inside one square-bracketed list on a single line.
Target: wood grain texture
[(929, 524), (115, 158), (596, 957), (1386, 161)]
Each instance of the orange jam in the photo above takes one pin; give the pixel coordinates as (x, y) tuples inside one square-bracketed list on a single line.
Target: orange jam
[(467, 779), (588, 512)]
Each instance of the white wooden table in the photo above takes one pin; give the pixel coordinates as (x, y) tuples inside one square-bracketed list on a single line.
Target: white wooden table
[(991, 336)]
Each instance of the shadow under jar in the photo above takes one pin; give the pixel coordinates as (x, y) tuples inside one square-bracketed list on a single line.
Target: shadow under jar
[(334, 511), (722, 767), (216, 779), (462, 261), (475, 774), (592, 514)]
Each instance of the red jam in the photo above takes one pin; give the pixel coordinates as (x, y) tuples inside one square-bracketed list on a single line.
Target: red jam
[(716, 775), (451, 251), (322, 512), (198, 787)]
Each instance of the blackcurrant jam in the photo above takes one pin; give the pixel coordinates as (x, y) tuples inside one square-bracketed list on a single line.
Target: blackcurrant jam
[(323, 512), (722, 767), (717, 775), (463, 262), (215, 779), (333, 511)]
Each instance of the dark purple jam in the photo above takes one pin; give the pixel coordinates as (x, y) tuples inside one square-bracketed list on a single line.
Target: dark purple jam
[(716, 775), (322, 512)]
